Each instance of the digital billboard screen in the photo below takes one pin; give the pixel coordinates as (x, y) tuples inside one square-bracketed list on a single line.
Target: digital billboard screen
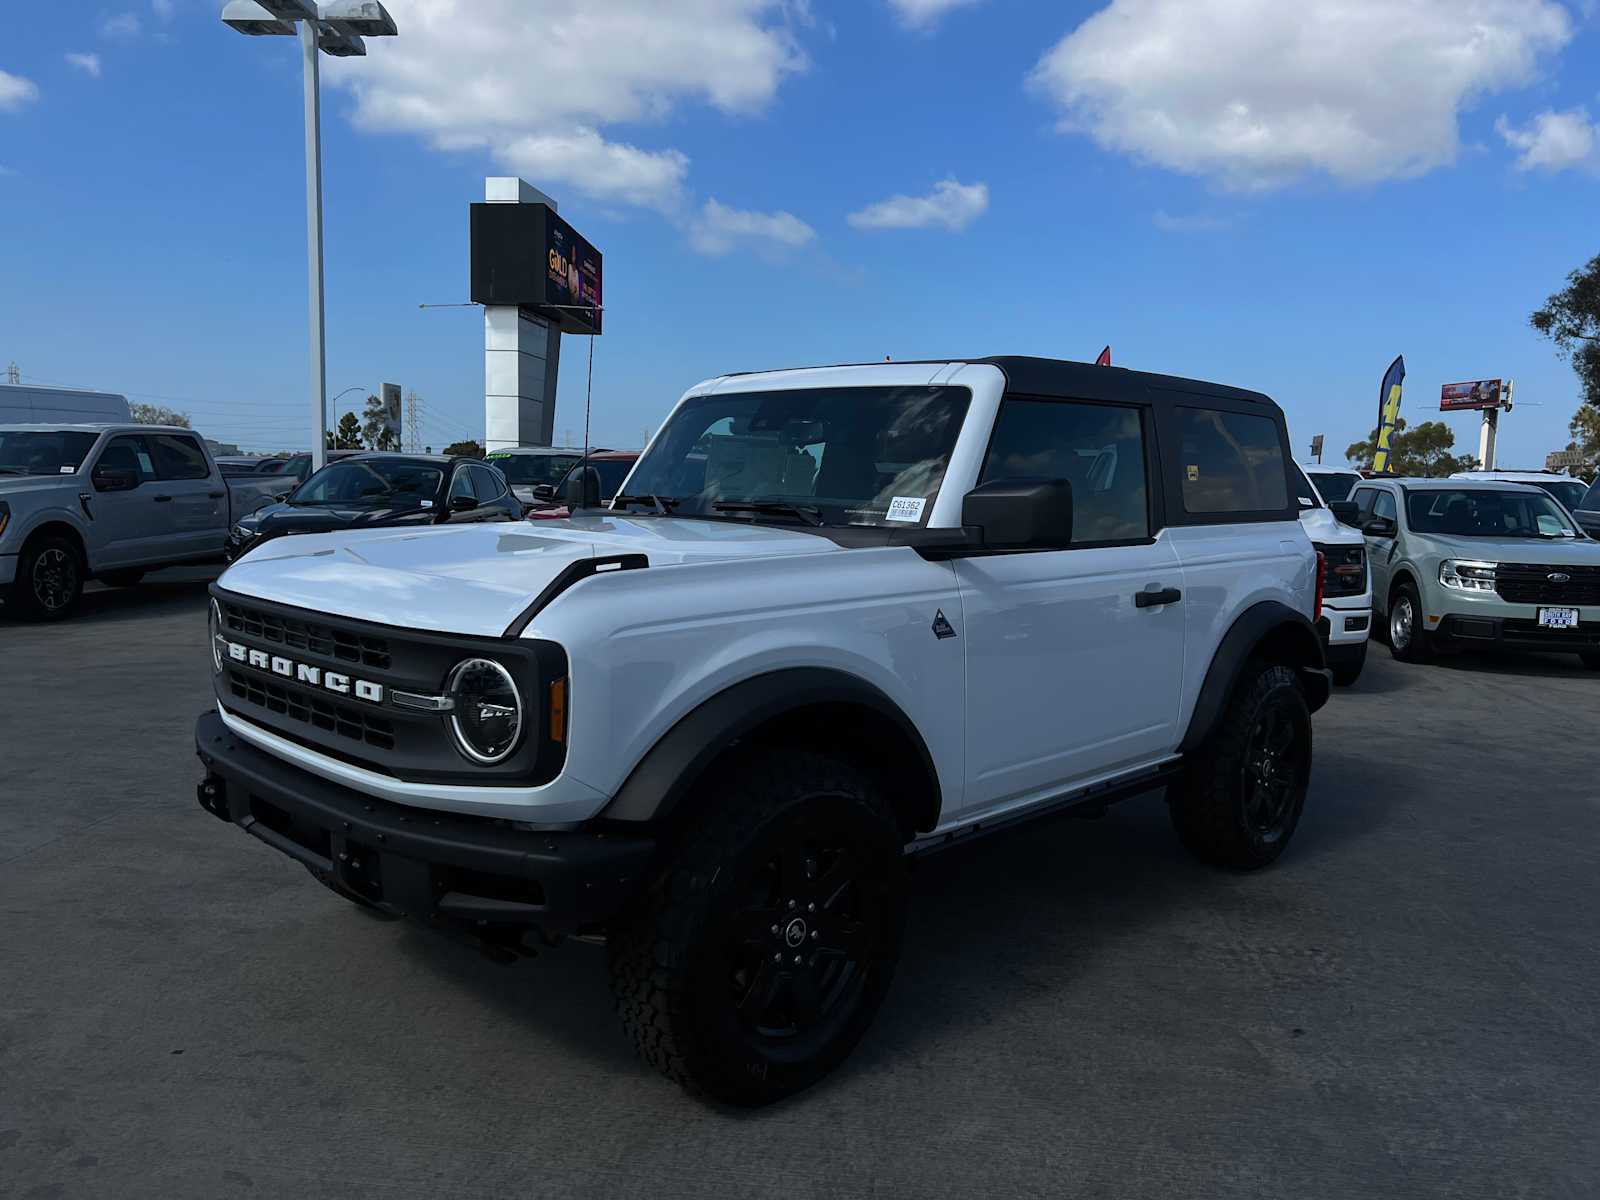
[(526, 255), (1480, 393)]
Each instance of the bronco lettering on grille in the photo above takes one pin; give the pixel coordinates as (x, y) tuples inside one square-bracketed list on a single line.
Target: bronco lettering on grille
[(331, 681)]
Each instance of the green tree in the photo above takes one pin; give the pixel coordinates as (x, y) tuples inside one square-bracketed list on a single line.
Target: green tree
[(154, 414), (1571, 319), (1423, 451), (372, 430), (471, 449), (348, 435), (1585, 430)]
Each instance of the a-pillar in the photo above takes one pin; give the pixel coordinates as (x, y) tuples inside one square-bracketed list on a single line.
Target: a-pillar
[(521, 353)]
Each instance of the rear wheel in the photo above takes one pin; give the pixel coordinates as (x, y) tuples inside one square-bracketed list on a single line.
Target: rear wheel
[(1408, 640), (49, 580), (1245, 789), (756, 961)]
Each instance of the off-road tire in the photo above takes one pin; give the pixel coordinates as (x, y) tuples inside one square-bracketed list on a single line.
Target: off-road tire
[(31, 597), (676, 957), (1348, 670), (1417, 647), (1212, 806), (122, 579)]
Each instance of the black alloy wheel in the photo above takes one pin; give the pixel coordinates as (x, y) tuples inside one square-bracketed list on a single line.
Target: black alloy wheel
[(49, 580), (1269, 772)]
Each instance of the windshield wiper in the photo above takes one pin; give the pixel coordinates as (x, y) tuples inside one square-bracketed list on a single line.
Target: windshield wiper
[(808, 513), (663, 504)]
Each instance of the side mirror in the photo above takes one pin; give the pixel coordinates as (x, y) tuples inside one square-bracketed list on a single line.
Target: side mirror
[(1021, 514), (582, 489), (544, 491), (463, 503), (1345, 511), (281, 498), (1379, 527), (115, 479)]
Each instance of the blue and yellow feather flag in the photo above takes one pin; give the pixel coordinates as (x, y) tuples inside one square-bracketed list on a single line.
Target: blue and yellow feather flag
[(1388, 412)]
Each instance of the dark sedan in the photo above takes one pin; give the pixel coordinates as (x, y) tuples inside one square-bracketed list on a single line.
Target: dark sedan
[(382, 489)]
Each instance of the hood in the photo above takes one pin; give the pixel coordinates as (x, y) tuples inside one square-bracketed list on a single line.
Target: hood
[(18, 485), (319, 518), (1322, 526), (477, 579), (1559, 552)]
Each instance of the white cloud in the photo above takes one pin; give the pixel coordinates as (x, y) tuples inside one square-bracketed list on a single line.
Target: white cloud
[(164, 8), (121, 25), (88, 63), (7, 171), (923, 14), (951, 205), (1554, 141), (15, 91), (1190, 223), (537, 82), (1256, 93), (718, 229)]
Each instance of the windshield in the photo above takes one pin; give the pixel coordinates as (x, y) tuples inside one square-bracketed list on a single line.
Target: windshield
[(1592, 499), (612, 472), (371, 481), (845, 456), (532, 469), (1568, 491), (1335, 485), (1481, 513), (44, 452)]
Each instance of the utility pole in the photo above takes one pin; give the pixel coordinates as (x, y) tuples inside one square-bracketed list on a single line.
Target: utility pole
[(13, 374)]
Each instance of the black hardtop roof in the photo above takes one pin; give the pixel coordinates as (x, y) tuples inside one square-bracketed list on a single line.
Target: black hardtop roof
[(1062, 377)]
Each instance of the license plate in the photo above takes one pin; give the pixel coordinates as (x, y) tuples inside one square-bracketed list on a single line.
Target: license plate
[(1558, 618)]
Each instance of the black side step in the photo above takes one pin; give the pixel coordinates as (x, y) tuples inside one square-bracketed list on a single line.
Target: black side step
[(1082, 802), (574, 573)]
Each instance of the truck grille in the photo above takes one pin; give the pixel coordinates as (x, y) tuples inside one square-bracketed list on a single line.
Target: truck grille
[(326, 641), (1520, 583), (308, 709)]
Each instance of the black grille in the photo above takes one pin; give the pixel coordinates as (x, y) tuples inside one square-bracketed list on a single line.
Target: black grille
[(312, 710), (309, 636), (1517, 583)]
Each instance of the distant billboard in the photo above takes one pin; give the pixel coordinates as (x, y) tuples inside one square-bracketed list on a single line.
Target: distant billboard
[(1480, 393)]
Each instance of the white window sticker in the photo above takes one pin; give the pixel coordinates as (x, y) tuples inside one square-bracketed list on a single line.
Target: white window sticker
[(69, 470), (427, 504), (906, 508)]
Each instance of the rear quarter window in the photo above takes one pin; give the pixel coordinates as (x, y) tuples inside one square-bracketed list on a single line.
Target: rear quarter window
[(1230, 463)]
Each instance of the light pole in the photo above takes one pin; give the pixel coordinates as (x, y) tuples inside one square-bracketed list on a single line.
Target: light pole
[(336, 28)]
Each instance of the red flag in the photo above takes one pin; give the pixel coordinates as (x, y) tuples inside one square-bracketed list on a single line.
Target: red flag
[(1105, 358)]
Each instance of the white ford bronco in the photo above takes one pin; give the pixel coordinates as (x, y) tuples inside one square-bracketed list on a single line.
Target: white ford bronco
[(836, 618)]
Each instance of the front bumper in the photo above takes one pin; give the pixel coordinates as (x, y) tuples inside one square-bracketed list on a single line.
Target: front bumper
[(478, 876), (1524, 633)]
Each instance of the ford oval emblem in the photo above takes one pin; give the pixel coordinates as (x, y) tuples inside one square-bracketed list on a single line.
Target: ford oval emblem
[(1559, 577)]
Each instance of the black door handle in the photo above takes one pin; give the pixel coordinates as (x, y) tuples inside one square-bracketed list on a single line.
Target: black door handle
[(1151, 599), (163, 499)]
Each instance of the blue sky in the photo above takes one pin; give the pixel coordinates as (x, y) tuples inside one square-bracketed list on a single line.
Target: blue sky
[(1278, 196)]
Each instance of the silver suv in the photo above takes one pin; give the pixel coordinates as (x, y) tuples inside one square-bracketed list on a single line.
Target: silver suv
[(1468, 562)]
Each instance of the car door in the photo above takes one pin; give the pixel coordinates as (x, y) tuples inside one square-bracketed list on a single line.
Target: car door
[(131, 526), (1382, 549), (198, 497), (1069, 679)]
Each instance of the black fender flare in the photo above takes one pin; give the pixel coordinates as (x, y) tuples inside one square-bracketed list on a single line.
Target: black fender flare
[(661, 780), (1294, 641)]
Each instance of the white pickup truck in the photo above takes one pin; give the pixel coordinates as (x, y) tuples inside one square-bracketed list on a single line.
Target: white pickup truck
[(108, 502)]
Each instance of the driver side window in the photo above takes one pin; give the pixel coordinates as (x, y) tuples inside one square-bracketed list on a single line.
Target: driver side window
[(461, 484), (129, 452), (1383, 506)]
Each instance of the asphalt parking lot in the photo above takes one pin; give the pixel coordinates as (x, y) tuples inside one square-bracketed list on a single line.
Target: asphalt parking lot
[(1405, 1005)]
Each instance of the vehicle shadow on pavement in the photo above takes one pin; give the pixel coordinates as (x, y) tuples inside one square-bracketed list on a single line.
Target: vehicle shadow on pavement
[(1511, 662), (996, 926), (101, 606)]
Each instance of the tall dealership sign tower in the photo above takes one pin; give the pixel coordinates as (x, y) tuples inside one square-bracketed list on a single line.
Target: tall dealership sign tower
[(536, 278)]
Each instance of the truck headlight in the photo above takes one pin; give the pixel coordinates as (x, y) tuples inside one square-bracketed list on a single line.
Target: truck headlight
[(214, 622), (1467, 575), (487, 719)]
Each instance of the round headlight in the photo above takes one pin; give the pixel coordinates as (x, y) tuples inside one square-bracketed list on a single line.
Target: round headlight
[(487, 717), (214, 621)]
